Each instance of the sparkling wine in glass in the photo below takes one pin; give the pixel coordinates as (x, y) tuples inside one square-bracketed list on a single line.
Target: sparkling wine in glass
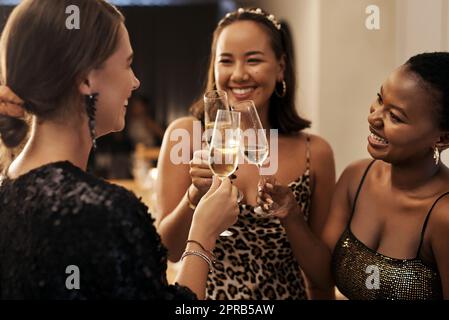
[(254, 142), (224, 147)]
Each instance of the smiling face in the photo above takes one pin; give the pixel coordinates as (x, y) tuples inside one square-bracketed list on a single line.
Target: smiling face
[(114, 82), (245, 64), (403, 120)]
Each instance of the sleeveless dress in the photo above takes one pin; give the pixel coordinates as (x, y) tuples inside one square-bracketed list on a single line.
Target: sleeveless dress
[(257, 262), (399, 279)]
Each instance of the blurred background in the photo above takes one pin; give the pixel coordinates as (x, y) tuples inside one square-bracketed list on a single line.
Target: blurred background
[(340, 65)]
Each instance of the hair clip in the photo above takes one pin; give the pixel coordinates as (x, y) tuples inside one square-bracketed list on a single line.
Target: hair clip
[(257, 11)]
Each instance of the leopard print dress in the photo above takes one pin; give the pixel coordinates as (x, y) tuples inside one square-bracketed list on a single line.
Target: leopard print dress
[(257, 262)]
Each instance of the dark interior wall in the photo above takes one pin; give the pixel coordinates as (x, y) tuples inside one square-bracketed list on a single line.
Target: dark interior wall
[(4, 13), (171, 47)]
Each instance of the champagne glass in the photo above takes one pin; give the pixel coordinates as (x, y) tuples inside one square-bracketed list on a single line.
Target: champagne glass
[(214, 100), (225, 146), (254, 142)]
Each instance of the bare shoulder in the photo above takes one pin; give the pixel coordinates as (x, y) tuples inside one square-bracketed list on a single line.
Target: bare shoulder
[(320, 148), (352, 175), (322, 164), (438, 233), (181, 128), (183, 123), (439, 219), (355, 170)]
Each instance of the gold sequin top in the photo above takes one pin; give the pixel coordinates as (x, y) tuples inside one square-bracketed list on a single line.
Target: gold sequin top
[(361, 273), (57, 216)]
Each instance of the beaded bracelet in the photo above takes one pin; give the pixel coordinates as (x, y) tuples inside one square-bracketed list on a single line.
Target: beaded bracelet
[(189, 202), (198, 254), (204, 249)]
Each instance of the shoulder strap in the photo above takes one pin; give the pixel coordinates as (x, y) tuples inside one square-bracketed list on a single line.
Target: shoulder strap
[(307, 152), (359, 188), (426, 221)]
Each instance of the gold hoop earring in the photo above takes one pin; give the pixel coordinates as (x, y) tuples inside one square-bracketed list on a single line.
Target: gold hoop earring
[(436, 155), (284, 90)]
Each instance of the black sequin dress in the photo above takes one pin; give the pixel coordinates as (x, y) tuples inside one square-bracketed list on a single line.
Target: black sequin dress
[(355, 267), (58, 216)]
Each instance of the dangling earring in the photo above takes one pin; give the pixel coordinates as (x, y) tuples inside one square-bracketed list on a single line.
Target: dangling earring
[(436, 155), (90, 101), (284, 90)]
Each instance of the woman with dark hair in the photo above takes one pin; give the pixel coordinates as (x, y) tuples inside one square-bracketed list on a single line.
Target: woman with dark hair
[(65, 234), (251, 59), (388, 230)]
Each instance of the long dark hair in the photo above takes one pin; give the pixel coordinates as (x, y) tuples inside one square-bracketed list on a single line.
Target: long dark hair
[(282, 112)]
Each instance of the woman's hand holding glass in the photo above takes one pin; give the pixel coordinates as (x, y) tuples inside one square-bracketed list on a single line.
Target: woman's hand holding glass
[(224, 147), (254, 143), (279, 200), (217, 210), (201, 175)]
